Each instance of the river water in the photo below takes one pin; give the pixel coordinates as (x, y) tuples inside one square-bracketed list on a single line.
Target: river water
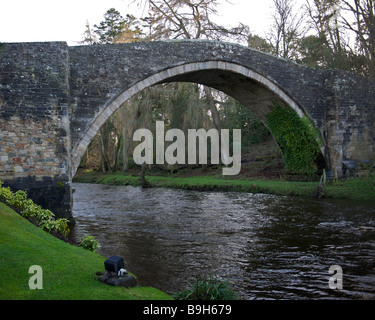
[(268, 247)]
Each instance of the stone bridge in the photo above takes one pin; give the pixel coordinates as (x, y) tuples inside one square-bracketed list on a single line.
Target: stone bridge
[(54, 98)]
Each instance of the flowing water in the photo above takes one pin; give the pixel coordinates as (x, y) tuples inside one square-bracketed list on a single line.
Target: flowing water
[(268, 247)]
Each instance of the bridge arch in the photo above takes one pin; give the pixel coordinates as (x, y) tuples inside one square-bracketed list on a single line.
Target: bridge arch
[(256, 92), (54, 98)]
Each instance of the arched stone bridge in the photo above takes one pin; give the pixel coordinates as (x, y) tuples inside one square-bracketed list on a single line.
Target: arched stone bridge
[(54, 98)]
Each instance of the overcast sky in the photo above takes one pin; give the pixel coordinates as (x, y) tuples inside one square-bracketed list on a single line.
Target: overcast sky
[(64, 20)]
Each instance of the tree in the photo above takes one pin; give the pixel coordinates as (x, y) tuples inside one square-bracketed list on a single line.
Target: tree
[(256, 42), (363, 26), (89, 36), (111, 27), (286, 29), (131, 31), (188, 19), (328, 46)]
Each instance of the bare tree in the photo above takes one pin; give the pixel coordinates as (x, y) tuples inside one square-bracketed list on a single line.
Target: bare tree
[(188, 19), (89, 37), (286, 29), (363, 26)]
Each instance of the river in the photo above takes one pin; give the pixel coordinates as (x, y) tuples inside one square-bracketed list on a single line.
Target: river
[(268, 247)]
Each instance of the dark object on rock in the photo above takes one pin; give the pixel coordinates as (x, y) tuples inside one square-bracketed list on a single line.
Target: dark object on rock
[(114, 264), (113, 279)]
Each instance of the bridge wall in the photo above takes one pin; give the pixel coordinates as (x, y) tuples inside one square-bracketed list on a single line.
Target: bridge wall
[(35, 122)]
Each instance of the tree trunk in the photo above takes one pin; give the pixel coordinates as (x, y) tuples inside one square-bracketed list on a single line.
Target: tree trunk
[(144, 182), (124, 151), (105, 162)]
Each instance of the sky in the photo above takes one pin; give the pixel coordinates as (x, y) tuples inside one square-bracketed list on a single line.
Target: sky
[(65, 20)]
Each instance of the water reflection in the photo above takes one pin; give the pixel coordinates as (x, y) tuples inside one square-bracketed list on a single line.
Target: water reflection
[(269, 247)]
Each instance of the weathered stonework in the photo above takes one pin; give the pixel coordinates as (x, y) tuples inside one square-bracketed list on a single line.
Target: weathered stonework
[(35, 122), (54, 99)]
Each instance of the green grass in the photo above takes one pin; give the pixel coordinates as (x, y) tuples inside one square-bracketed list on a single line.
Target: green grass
[(68, 271), (354, 188), (208, 288)]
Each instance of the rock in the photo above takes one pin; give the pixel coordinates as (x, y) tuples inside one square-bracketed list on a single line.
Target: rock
[(113, 279)]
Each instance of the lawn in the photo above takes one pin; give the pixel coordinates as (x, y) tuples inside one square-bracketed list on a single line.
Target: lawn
[(69, 272)]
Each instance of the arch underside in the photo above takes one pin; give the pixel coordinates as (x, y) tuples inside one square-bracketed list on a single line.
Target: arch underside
[(250, 88)]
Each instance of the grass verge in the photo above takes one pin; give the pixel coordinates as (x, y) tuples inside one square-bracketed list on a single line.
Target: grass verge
[(68, 271), (354, 188)]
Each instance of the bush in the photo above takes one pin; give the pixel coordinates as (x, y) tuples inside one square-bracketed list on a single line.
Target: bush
[(89, 243), (207, 289), (5, 194), (28, 209), (31, 209), (59, 225), (17, 199)]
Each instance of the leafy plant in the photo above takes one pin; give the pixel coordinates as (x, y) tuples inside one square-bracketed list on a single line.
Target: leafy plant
[(17, 199), (211, 288), (89, 243), (31, 209), (296, 138), (60, 225), (28, 209), (45, 214), (5, 193)]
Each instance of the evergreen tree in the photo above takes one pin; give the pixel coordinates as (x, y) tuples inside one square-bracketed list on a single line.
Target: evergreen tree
[(111, 27)]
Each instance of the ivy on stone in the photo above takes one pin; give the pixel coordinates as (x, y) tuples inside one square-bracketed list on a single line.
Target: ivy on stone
[(297, 141)]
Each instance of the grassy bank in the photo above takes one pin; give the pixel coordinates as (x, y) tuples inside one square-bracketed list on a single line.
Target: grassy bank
[(68, 271), (354, 188)]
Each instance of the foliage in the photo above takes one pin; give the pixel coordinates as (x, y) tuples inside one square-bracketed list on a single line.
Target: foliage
[(28, 209), (237, 116), (115, 28), (60, 225), (207, 289), (89, 243), (295, 138)]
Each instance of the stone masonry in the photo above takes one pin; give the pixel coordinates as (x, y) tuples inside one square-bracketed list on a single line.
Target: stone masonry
[(54, 98)]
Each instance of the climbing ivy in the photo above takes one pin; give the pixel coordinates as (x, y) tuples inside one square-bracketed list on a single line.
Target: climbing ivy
[(296, 138)]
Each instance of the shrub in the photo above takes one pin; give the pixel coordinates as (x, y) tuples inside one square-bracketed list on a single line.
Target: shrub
[(17, 199), (28, 209), (59, 225), (5, 194), (31, 209), (207, 289), (45, 214), (89, 243)]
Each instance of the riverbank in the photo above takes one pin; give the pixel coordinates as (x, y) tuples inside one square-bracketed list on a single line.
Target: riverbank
[(69, 272), (353, 188)]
